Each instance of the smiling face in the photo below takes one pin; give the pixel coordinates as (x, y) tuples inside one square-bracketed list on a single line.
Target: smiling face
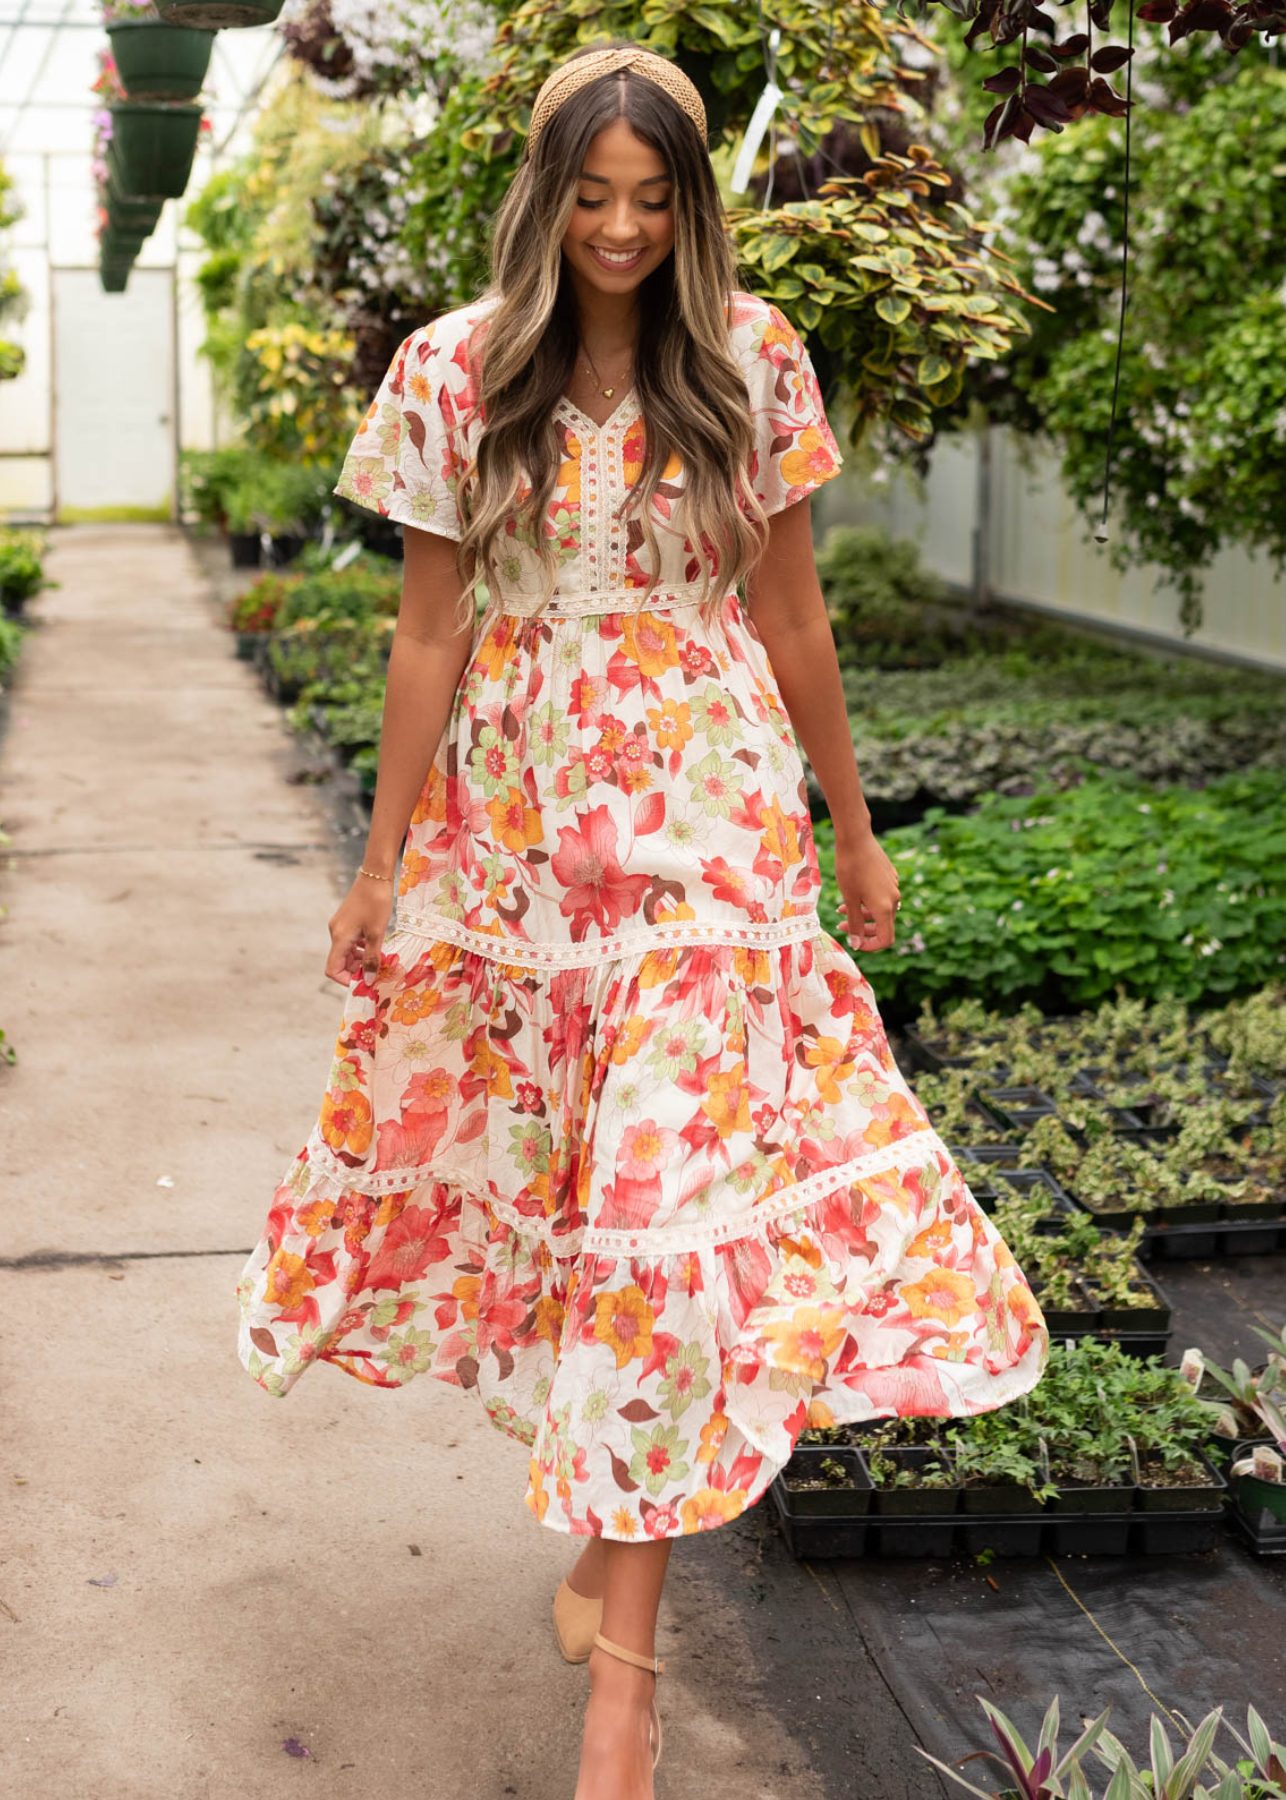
[(622, 224)]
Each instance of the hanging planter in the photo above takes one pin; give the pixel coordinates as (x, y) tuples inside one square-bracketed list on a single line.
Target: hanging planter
[(114, 273), (118, 194), (160, 62), (115, 246), (219, 15), (152, 147), (128, 216)]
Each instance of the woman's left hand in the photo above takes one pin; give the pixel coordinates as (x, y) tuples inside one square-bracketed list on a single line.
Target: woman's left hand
[(868, 885)]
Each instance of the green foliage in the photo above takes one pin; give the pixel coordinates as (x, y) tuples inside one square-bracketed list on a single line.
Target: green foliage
[(14, 299), (206, 477), (884, 609), (899, 293), (22, 568), (285, 498), (1060, 897), (12, 637), (834, 62), (1199, 452), (1046, 707)]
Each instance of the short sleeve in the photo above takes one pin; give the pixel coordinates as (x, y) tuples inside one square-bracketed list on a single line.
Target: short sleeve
[(407, 456), (795, 448)]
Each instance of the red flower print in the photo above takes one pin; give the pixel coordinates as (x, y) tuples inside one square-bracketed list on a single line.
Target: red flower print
[(662, 1521), (598, 890), (410, 1245), (734, 887)]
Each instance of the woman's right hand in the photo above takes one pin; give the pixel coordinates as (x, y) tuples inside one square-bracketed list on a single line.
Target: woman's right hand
[(357, 929)]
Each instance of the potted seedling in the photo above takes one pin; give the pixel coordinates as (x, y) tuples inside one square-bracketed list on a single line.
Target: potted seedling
[(1259, 1485), (823, 1482), (912, 1479)]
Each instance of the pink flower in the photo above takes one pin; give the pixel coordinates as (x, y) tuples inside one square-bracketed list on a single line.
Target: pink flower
[(586, 865)]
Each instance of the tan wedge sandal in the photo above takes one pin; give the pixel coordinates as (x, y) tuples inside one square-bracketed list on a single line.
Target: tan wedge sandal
[(655, 1664), (576, 1619)]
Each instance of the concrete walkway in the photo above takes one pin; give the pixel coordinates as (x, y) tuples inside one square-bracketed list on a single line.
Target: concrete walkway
[(204, 1592)]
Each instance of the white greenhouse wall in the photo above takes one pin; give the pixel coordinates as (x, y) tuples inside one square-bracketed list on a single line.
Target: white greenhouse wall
[(1042, 554)]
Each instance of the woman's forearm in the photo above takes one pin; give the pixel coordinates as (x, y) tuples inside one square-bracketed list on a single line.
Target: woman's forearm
[(423, 678), (807, 669)]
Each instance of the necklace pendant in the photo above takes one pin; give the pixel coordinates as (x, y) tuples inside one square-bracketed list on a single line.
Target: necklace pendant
[(608, 392)]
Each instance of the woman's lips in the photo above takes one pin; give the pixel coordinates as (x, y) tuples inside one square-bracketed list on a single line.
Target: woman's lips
[(611, 262)]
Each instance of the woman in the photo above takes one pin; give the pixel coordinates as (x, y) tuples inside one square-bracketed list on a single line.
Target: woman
[(613, 1134)]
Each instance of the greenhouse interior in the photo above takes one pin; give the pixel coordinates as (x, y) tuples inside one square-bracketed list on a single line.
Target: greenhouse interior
[(947, 1329)]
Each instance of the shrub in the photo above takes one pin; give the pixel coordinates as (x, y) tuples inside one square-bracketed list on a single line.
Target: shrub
[(885, 610), (1059, 897)]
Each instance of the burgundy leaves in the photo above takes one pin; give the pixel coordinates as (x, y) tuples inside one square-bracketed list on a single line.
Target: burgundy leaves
[(1084, 87)]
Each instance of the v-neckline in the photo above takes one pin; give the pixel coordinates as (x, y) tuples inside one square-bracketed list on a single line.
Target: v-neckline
[(625, 400)]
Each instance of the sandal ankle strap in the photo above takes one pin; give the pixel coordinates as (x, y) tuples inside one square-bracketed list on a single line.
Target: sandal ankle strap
[(653, 1664)]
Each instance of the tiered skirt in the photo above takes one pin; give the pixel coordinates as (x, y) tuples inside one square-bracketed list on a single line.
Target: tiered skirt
[(658, 1208)]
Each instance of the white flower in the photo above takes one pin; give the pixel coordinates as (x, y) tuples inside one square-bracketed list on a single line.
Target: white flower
[(1017, 906)]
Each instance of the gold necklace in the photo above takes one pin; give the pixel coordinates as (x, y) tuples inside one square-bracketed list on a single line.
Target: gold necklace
[(606, 392)]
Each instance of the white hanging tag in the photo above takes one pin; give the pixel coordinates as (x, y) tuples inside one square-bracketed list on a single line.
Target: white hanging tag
[(759, 121)]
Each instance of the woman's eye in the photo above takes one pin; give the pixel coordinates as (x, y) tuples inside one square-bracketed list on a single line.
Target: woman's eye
[(647, 205)]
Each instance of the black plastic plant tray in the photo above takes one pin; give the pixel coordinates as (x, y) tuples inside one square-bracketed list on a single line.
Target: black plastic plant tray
[(927, 1056), (1002, 1156), (1014, 1108), (1261, 1540), (1005, 1534), (1223, 1237), (1133, 1343)]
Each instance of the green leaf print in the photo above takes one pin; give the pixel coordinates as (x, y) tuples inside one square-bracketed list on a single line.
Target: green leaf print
[(657, 1458), (715, 715), (529, 1146), (407, 1353), (547, 734), (493, 762), (716, 784), (676, 1049), (685, 1380)]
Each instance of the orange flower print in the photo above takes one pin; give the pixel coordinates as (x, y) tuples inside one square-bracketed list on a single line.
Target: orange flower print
[(498, 649), (537, 1498), (780, 835), (647, 639), (805, 1341), (516, 825), (710, 1508), (809, 461), (315, 1217), (946, 1294), (825, 1056), (933, 1238), (727, 1103), (415, 869), (346, 1122), (286, 1280), (623, 1321), (624, 1523), (671, 724)]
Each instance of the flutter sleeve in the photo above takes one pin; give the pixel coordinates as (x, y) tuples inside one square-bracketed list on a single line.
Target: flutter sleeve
[(408, 454), (795, 448)]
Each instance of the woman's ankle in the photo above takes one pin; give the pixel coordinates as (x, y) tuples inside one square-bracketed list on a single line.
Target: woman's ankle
[(586, 1577)]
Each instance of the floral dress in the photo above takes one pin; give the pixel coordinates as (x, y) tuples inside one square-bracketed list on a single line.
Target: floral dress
[(614, 1138)]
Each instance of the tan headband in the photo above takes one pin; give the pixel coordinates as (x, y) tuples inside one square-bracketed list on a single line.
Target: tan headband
[(571, 76)]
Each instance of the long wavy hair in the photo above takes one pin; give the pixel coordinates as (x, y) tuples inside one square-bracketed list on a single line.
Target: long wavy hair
[(693, 397)]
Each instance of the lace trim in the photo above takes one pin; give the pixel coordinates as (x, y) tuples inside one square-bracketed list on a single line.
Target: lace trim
[(670, 1240), (536, 954), (599, 600)]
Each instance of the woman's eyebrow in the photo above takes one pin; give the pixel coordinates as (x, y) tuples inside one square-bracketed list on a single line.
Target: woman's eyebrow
[(647, 180)]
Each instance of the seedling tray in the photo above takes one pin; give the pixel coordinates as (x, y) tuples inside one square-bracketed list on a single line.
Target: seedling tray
[(1006, 1534)]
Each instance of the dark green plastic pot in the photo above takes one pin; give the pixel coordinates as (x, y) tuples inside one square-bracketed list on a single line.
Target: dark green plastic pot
[(156, 61), (219, 15), (114, 276), (120, 246), (152, 146), (133, 216)]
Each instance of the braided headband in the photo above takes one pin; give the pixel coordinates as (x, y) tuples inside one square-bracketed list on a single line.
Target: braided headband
[(576, 74)]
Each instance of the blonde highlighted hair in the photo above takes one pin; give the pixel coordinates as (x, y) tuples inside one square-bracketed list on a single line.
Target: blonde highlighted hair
[(692, 394)]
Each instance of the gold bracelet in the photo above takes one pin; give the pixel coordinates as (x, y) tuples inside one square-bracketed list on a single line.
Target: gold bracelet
[(374, 876)]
